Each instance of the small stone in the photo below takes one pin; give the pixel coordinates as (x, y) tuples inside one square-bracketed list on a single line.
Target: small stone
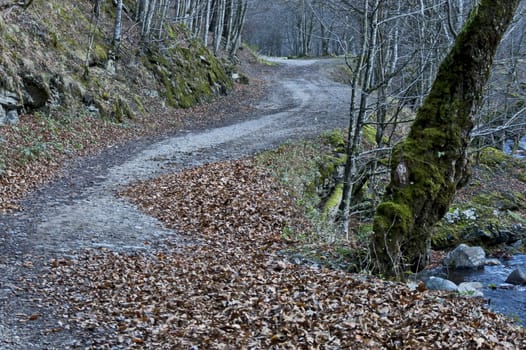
[(517, 277), (472, 289), (492, 262), (12, 117), (437, 283)]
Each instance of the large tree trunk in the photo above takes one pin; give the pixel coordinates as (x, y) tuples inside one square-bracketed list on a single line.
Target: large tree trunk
[(431, 164)]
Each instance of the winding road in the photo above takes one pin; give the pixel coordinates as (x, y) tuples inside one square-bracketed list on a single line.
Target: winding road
[(81, 210)]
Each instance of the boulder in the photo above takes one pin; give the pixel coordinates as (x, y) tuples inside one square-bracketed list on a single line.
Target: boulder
[(2, 115), (472, 289), (466, 257), (517, 277), (437, 283), (36, 91)]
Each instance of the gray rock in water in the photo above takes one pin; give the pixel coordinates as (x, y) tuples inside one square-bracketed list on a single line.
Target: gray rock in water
[(2, 115), (466, 257), (508, 146), (471, 289), (437, 283), (517, 277), (492, 262)]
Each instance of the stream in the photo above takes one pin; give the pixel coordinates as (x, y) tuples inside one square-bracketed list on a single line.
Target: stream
[(505, 298)]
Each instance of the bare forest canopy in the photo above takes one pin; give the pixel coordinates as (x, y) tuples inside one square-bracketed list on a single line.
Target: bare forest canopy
[(406, 40)]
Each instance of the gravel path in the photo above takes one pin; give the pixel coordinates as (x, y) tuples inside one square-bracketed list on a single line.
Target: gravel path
[(81, 211)]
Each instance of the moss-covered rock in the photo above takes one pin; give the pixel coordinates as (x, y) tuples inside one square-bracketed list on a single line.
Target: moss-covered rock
[(488, 219), (121, 110), (493, 157), (330, 208), (189, 75), (336, 139)]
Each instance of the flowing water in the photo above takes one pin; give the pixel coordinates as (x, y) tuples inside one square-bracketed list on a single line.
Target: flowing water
[(504, 298)]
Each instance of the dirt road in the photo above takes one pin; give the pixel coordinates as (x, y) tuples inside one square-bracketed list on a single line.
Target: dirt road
[(81, 210)]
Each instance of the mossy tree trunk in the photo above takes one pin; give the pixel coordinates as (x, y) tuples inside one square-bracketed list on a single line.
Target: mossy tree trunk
[(431, 164)]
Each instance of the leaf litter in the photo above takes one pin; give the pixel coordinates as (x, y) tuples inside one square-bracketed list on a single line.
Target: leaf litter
[(233, 288)]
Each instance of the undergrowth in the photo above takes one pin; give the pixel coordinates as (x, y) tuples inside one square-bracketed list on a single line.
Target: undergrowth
[(300, 167)]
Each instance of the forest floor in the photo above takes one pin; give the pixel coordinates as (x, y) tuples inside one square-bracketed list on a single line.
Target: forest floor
[(175, 241)]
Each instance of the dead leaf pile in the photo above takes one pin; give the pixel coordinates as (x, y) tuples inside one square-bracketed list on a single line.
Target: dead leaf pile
[(232, 289), (32, 152)]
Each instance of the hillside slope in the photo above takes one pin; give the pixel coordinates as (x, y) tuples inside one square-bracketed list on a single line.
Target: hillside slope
[(44, 63), (56, 101)]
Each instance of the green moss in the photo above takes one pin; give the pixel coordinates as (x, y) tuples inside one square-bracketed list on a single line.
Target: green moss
[(369, 134), (189, 74), (100, 53), (393, 217), (139, 104), (493, 157), (168, 88), (121, 110), (336, 139), (333, 201), (494, 212)]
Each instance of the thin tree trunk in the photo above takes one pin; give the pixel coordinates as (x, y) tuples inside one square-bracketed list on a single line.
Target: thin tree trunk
[(94, 24), (117, 32), (207, 21), (219, 25), (365, 65)]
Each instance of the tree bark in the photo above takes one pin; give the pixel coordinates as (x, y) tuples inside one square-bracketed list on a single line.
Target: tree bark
[(431, 164), (117, 29)]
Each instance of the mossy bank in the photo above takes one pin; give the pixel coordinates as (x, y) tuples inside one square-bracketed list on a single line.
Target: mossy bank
[(48, 64)]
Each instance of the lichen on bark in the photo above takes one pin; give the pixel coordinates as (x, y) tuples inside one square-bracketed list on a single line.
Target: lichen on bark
[(431, 163)]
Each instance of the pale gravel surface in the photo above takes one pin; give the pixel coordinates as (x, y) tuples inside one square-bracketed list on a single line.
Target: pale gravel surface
[(81, 211)]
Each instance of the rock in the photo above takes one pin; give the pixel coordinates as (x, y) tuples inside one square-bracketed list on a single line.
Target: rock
[(240, 78), (492, 262), (37, 92), (12, 117), (9, 99), (111, 67), (466, 257), (472, 289), (508, 146), (437, 283), (517, 277), (150, 93), (93, 111), (522, 143), (493, 235)]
